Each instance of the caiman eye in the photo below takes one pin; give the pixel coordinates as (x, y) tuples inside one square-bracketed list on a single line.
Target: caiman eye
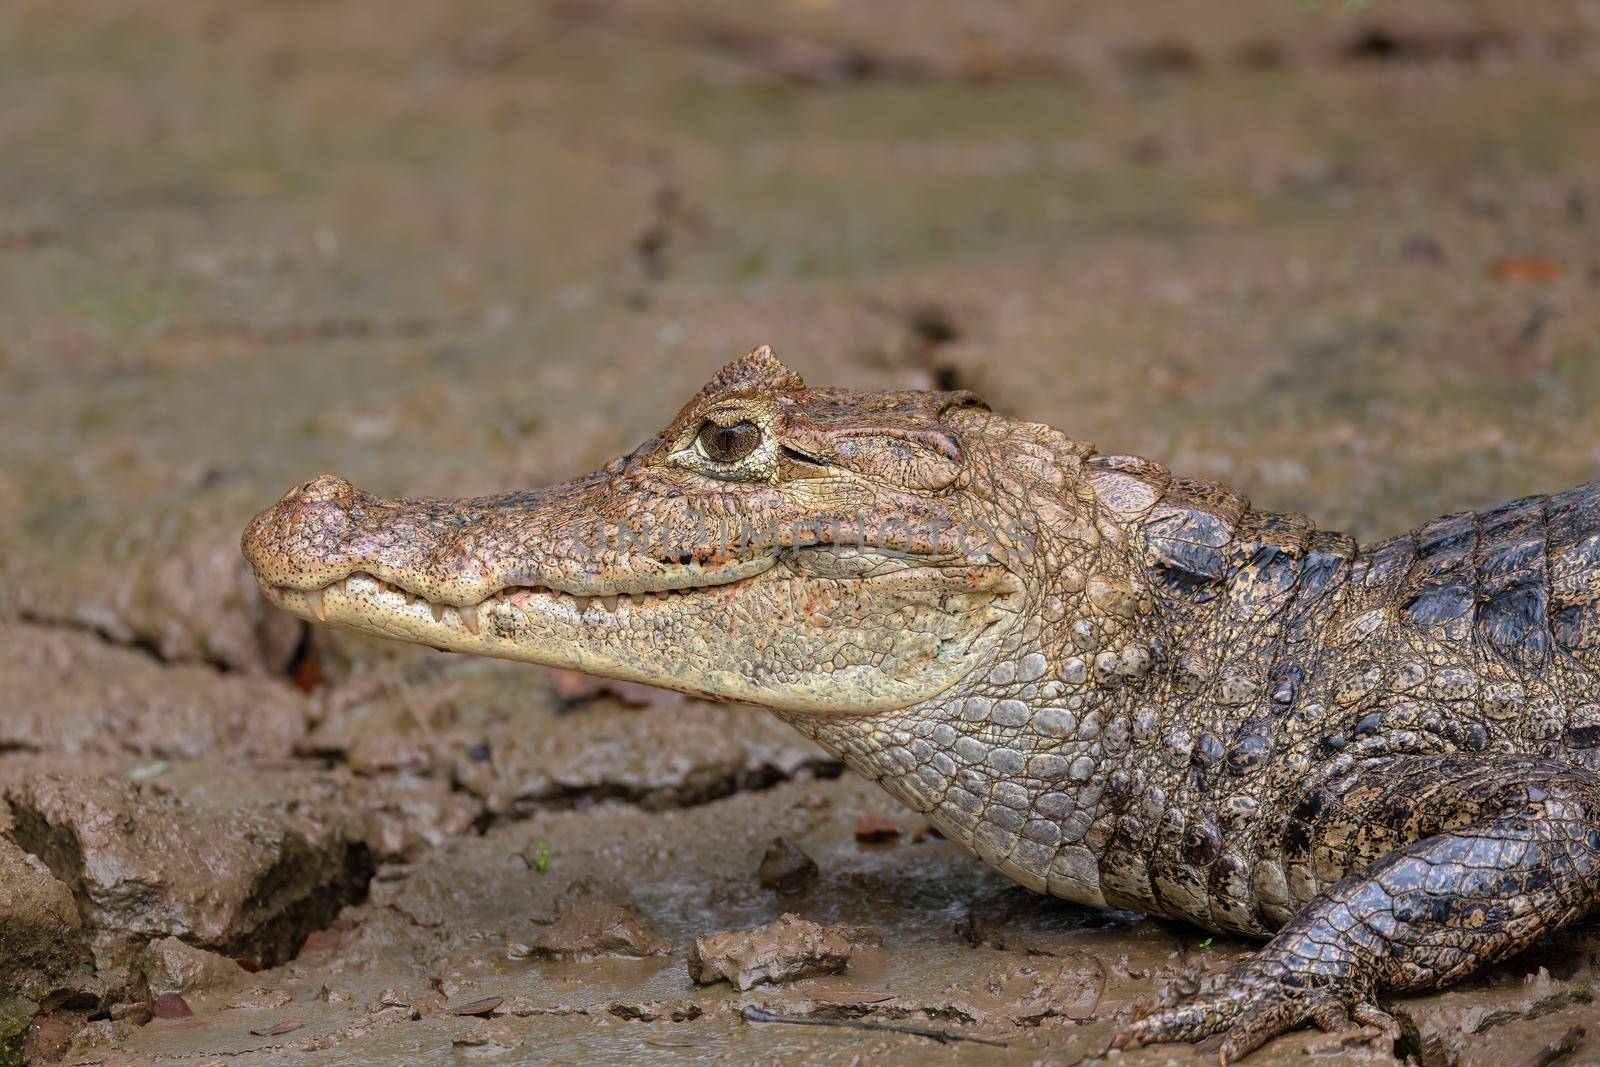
[(728, 444)]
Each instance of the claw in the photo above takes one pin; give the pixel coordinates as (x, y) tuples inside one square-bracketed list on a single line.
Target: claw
[(1240, 1010), (1260, 1024), (1199, 1017)]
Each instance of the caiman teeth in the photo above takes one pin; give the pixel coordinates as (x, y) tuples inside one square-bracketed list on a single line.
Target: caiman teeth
[(515, 598)]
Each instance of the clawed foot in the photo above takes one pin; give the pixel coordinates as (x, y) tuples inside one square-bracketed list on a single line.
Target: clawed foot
[(1247, 1005)]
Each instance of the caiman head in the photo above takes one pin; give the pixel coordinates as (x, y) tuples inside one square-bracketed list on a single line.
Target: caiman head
[(805, 550)]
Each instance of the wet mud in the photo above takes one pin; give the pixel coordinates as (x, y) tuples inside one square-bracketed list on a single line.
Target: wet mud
[(1344, 256)]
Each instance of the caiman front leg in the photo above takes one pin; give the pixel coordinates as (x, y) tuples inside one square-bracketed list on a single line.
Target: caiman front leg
[(1455, 862)]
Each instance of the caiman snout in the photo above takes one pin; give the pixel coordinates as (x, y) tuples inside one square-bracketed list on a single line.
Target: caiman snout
[(304, 539), (327, 530)]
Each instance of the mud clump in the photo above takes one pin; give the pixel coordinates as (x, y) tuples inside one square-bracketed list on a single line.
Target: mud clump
[(1492, 1020), (786, 869), (785, 951), (142, 866), (596, 918), (650, 1011), (41, 936), (170, 966)]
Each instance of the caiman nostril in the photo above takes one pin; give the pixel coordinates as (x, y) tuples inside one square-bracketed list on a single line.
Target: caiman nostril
[(326, 488)]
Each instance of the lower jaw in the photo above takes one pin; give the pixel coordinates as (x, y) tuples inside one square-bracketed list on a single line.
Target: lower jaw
[(614, 637)]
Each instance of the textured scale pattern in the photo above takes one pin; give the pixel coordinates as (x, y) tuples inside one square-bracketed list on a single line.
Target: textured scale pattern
[(1119, 686)]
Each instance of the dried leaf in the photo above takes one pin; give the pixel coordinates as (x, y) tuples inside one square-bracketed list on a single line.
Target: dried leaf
[(874, 831), (1533, 269), (287, 1026), (306, 672), (482, 1006)]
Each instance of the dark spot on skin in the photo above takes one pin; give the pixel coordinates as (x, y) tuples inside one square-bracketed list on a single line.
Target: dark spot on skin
[(1184, 582), (1521, 512), (1208, 752), (1201, 842), (1516, 623), (1438, 605), (1314, 806), (1368, 725), (1502, 562), (1274, 572), (1577, 628), (1188, 549), (1388, 560), (1447, 537), (1247, 754), (1333, 743), (1287, 685), (1323, 566), (1416, 907)]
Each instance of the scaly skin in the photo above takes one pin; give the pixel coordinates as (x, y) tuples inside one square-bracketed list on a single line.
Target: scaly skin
[(1118, 686)]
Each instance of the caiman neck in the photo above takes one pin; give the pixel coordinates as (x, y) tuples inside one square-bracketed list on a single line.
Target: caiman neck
[(1108, 742), (1014, 762)]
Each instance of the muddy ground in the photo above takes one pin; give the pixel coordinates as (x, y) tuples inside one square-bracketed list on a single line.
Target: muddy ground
[(1342, 255)]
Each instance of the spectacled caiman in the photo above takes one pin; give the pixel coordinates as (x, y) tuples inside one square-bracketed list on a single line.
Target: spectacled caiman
[(1114, 684)]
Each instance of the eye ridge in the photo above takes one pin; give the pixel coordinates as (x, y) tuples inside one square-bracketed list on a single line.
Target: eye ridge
[(729, 444)]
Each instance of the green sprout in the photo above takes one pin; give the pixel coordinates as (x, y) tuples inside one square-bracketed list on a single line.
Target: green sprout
[(1205, 946), (541, 857)]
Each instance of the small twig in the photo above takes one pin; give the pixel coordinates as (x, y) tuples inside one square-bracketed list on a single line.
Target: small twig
[(752, 1014)]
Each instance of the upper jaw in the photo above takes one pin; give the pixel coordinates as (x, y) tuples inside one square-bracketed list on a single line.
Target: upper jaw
[(442, 571), (372, 587), (461, 553)]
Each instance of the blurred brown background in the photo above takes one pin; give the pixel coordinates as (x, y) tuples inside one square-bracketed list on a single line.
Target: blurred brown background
[(1342, 255)]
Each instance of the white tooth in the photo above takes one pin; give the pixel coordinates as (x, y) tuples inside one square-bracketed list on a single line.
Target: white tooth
[(469, 617), (610, 602), (582, 603), (438, 611), (339, 585), (314, 599)]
